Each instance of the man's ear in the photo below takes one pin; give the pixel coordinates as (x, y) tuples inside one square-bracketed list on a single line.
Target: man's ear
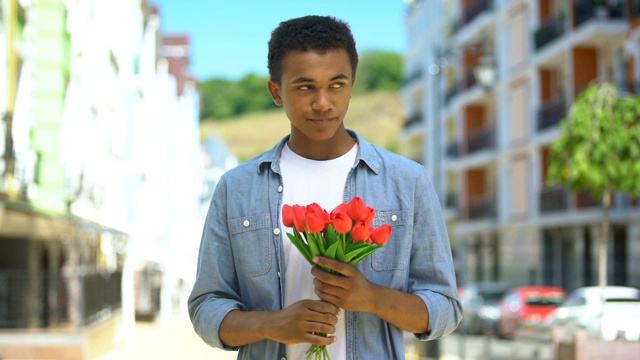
[(274, 90)]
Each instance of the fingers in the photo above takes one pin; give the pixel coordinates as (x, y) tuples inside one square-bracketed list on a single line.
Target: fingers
[(335, 265)]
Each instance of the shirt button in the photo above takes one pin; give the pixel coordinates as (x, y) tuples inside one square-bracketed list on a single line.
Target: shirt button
[(280, 188), (246, 223), (394, 217), (283, 358), (276, 231)]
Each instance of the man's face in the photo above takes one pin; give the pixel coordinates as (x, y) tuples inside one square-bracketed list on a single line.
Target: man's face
[(315, 89)]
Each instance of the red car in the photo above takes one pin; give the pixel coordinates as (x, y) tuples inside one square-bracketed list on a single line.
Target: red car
[(527, 305)]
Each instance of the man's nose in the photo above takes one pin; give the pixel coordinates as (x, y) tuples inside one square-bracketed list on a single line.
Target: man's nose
[(322, 101)]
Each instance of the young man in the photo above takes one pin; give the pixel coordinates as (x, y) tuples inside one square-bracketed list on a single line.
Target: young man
[(255, 292)]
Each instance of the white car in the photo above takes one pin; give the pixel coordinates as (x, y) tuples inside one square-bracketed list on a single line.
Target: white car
[(620, 313)]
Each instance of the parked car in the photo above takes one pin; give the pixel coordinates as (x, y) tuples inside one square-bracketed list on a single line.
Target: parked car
[(525, 306), (620, 312), (480, 306)]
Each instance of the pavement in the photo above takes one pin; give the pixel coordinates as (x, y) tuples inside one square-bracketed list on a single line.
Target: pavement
[(177, 340), (166, 341)]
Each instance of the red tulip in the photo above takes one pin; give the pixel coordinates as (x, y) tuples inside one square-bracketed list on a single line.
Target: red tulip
[(358, 211), (317, 218), (381, 235), (287, 215), (360, 231), (299, 215), (340, 220)]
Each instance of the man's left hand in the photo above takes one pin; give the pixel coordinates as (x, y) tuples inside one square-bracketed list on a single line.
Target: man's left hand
[(348, 289)]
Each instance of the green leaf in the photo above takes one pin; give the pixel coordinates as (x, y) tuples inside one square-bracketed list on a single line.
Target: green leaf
[(353, 250), (331, 250), (314, 247), (363, 255), (301, 246)]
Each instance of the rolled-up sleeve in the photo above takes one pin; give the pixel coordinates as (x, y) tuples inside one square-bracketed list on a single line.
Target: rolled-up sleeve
[(432, 273), (215, 292)]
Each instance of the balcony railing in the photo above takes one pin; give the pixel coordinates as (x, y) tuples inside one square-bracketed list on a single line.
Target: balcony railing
[(585, 11), (550, 29), (483, 207), (586, 199), (413, 76), (452, 200), (480, 140), (551, 112), (554, 198), (413, 120), (453, 149), (44, 301)]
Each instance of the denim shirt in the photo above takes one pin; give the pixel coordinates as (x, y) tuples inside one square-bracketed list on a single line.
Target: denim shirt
[(241, 267)]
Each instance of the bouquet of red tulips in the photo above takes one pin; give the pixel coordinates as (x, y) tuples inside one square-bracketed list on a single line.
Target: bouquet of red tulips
[(345, 234)]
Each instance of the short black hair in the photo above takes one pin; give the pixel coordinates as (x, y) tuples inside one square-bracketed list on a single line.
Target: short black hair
[(320, 33)]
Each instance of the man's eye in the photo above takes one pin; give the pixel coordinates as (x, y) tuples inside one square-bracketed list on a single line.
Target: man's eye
[(304, 87), (337, 85)]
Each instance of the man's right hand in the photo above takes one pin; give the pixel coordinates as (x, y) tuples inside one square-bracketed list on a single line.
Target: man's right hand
[(299, 322), (296, 324)]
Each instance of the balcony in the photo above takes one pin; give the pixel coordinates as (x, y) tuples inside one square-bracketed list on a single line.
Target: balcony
[(584, 12), (551, 112), (554, 198), (413, 76), (585, 199), (451, 200), (482, 208), (550, 29), (480, 140), (413, 120), (453, 149), (472, 11)]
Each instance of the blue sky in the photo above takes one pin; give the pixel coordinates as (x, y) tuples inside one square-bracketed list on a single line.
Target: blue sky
[(229, 37)]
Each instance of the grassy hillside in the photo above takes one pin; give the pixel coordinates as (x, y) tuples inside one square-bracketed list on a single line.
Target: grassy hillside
[(378, 117)]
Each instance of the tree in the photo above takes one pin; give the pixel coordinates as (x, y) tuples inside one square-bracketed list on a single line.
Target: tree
[(379, 70), (599, 150)]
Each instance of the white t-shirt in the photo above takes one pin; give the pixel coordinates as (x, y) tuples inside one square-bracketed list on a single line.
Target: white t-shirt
[(307, 181)]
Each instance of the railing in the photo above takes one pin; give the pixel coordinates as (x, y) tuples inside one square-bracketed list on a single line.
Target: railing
[(452, 200), (30, 300), (483, 207), (475, 9), (549, 30), (469, 79), (554, 198), (412, 120), (584, 12), (413, 76), (586, 199), (481, 139), (551, 112), (453, 149)]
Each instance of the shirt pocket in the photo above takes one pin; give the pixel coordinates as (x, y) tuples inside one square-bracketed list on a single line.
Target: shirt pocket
[(251, 244), (395, 253)]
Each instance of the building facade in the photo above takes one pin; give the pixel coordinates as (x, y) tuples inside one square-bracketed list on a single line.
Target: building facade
[(100, 173), (487, 148)]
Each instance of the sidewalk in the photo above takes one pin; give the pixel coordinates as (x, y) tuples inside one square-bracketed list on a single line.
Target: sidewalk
[(176, 340)]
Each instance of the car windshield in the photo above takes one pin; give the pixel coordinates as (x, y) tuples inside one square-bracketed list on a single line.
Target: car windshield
[(545, 301)]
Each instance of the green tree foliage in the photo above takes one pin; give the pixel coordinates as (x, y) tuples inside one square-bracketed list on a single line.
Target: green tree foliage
[(599, 150), (223, 99), (379, 71)]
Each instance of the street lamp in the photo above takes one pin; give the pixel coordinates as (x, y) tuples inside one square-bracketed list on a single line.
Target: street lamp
[(485, 73)]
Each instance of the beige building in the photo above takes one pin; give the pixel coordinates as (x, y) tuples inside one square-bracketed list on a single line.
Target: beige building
[(487, 147)]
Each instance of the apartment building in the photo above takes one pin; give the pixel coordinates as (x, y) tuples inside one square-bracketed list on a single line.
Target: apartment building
[(487, 145), (99, 172)]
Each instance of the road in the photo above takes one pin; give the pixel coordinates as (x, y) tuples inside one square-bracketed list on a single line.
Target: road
[(177, 340)]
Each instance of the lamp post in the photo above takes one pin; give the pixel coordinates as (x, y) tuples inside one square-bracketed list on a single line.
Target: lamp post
[(485, 74)]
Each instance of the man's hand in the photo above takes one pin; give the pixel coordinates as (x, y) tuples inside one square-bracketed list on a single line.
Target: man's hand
[(299, 322), (295, 324), (349, 290)]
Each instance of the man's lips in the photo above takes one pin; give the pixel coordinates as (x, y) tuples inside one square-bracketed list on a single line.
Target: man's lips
[(322, 121)]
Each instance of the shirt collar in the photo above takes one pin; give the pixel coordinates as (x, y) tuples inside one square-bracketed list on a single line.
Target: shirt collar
[(367, 154)]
